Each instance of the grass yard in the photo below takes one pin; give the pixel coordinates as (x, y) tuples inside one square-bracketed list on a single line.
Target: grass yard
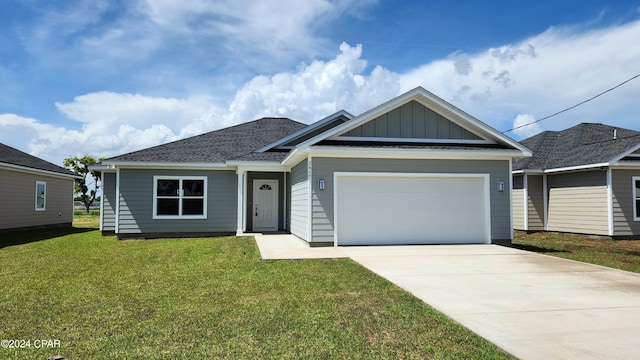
[(619, 254), (208, 298)]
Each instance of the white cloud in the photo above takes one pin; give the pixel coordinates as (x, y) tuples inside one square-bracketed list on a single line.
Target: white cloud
[(316, 90), (522, 127), (540, 76)]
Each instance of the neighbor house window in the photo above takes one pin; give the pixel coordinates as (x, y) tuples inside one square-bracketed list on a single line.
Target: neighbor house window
[(41, 195), (636, 198), (179, 197)]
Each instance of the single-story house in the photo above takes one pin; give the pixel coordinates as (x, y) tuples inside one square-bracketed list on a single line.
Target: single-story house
[(34, 192), (414, 170), (585, 179)]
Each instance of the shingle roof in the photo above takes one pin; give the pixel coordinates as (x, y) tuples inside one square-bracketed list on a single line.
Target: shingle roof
[(9, 155), (233, 143), (582, 144)]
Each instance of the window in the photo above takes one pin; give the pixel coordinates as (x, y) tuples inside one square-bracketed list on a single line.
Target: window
[(41, 195), (176, 197), (636, 198)]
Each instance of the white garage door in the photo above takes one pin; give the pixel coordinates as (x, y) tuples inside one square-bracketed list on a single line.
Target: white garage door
[(391, 208)]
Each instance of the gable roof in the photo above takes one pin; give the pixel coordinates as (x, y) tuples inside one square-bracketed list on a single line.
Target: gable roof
[(237, 142), (432, 102), (583, 144), (17, 159)]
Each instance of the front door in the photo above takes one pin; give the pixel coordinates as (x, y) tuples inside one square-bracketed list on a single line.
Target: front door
[(265, 205)]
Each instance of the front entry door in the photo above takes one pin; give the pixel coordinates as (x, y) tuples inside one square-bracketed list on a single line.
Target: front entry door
[(265, 205)]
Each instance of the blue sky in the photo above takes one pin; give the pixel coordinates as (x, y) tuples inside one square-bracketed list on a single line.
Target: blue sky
[(109, 77)]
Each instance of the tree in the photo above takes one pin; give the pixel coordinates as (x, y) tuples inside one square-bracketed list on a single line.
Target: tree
[(80, 166)]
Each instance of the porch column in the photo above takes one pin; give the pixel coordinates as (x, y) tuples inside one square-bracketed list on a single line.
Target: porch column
[(240, 216)]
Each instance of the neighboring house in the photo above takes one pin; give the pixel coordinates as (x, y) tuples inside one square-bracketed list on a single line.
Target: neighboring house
[(33, 192), (413, 170), (585, 180)]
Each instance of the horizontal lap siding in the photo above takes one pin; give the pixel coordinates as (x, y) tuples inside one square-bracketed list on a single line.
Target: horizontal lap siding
[(535, 202), (578, 203), (300, 200), (17, 200), (518, 209), (623, 221), (324, 168), (136, 203), (108, 202)]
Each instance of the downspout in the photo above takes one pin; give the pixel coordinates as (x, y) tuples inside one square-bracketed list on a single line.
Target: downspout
[(610, 201), (102, 201), (117, 201), (545, 201), (525, 195)]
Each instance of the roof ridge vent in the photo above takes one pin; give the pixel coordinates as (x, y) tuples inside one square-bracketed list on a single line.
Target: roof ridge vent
[(615, 134)]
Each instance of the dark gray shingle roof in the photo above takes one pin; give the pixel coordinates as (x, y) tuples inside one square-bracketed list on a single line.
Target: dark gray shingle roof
[(582, 144), (233, 143), (9, 155)]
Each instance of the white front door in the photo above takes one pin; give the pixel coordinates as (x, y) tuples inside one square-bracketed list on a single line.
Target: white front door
[(265, 205)]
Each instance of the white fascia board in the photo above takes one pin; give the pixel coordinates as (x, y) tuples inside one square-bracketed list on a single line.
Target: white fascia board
[(431, 101), (26, 169), (307, 129), (625, 154), (355, 152), (102, 168), (166, 165), (294, 157), (578, 167), (258, 166), (414, 140), (528, 171)]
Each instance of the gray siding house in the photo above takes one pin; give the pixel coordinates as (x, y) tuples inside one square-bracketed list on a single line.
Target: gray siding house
[(414, 170), (35, 193), (584, 180)]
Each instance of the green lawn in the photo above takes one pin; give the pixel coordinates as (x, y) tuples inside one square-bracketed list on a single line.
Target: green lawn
[(619, 254), (208, 298)]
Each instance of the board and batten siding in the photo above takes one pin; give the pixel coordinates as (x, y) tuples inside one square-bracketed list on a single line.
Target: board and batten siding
[(623, 221), (108, 200), (17, 200), (412, 120), (578, 202), (322, 225), (300, 200), (136, 203), (535, 202), (518, 202)]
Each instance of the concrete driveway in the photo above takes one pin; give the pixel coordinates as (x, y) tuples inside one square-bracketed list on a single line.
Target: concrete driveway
[(533, 306)]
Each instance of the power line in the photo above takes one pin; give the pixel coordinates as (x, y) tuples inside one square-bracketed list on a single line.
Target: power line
[(574, 106)]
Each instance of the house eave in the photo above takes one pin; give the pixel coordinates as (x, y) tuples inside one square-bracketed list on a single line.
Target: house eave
[(27, 169), (332, 151), (166, 165), (305, 130)]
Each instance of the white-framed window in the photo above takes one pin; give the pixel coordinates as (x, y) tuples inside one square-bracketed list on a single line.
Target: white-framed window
[(636, 197), (179, 197), (41, 196)]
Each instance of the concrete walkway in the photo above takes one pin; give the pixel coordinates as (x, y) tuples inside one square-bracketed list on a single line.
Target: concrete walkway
[(533, 306)]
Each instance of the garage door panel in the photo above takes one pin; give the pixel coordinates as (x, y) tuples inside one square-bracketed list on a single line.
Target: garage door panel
[(410, 210)]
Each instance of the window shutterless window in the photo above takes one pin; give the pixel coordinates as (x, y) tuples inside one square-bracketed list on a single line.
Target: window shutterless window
[(179, 197), (41, 196), (636, 197)]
